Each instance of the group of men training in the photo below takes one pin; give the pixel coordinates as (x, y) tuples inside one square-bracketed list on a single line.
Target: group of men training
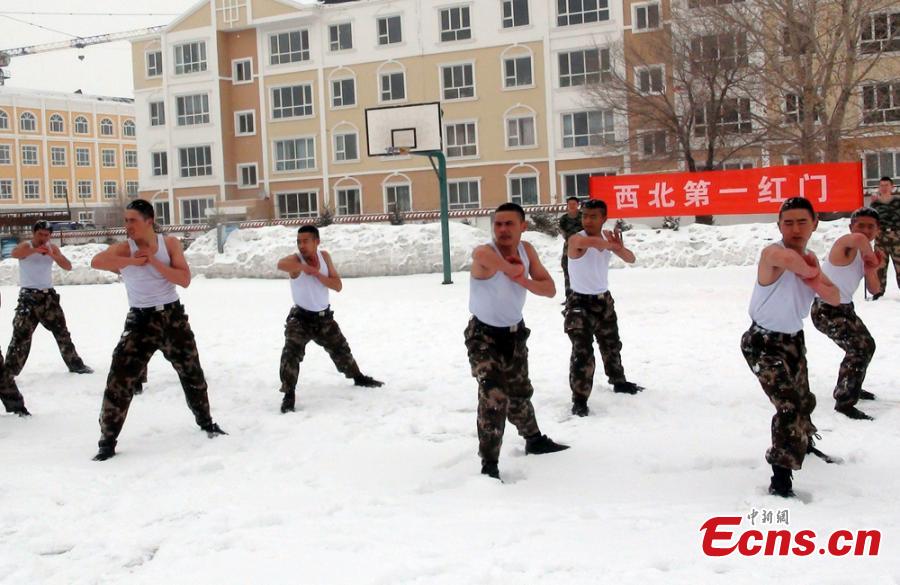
[(790, 283)]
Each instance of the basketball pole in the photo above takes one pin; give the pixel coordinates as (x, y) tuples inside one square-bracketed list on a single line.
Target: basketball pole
[(441, 171)]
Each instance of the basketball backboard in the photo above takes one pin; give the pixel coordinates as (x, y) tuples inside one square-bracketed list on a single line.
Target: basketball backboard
[(391, 130)]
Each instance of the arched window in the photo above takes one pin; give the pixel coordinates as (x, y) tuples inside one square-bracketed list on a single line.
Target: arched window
[(56, 124), (4, 120), (128, 129), (27, 122), (81, 125), (106, 127)]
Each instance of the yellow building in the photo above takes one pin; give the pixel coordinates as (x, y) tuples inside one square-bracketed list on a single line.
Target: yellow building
[(66, 151)]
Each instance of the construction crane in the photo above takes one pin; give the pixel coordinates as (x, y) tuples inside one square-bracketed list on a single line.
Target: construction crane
[(76, 43)]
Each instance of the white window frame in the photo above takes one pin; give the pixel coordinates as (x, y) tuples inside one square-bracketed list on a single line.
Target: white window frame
[(387, 35), (7, 190), (208, 163), (517, 117), (281, 59), (57, 118), (106, 190), (512, 15), (32, 122), (311, 153), (893, 92), (80, 191), (646, 6), (105, 162), (129, 192), (642, 136), (192, 67), (889, 156), (81, 122), (6, 159), (104, 124), (447, 145), (153, 70), (337, 199), (334, 95), (306, 91), (129, 124), (86, 217), (515, 58), (31, 185), (464, 9), (82, 161), (312, 196), (649, 69), (236, 65), (565, 19), (869, 43), (596, 171), (605, 138), (455, 182), (56, 161), (237, 122), (331, 42), (158, 159), (738, 164), (381, 76), (29, 160), (581, 79), (341, 134), (55, 189), (520, 177), (196, 117), (4, 120), (162, 212), (458, 89), (159, 118), (393, 185), (240, 175), (210, 204), (130, 159)]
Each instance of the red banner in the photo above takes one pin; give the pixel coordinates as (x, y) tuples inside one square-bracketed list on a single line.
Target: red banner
[(830, 187)]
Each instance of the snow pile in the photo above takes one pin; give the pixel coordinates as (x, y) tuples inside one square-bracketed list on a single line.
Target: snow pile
[(385, 250)]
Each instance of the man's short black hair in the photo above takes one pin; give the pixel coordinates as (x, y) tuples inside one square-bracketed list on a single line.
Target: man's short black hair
[(309, 229), (596, 204), (573, 198), (42, 224), (797, 203), (142, 206), (512, 207), (865, 212), (888, 179)]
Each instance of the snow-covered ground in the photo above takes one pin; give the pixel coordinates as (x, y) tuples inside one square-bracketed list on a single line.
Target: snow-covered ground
[(385, 250), (382, 486)]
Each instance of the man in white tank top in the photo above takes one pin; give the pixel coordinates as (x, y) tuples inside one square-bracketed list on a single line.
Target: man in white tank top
[(590, 310), (311, 319), (151, 265), (502, 274), (39, 302), (787, 279), (850, 260)]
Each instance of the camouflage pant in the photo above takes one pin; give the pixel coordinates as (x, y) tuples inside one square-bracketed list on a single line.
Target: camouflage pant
[(9, 393), (842, 325), (565, 267), (37, 307), (147, 331), (302, 327), (588, 318), (779, 362), (499, 360), (889, 243)]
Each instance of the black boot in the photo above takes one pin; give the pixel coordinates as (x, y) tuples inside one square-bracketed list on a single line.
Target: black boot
[(781, 484), (82, 369), (107, 450), (866, 395), (287, 403), (627, 388), (539, 444), (580, 407), (853, 412), (490, 469), (877, 296), (366, 381), (212, 430), (20, 411)]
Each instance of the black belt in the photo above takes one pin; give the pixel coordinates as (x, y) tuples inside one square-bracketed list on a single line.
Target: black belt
[(309, 313), (500, 330), (777, 334), (156, 309), (38, 290), (597, 296)]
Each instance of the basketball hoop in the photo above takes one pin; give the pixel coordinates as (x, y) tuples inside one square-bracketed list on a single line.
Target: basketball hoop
[(396, 151)]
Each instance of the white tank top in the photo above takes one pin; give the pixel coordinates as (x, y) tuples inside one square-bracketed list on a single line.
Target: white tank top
[(498, 301), (846, 278), (146, 287), (589, 275), (308, 292), (782, 305), (36, 271)]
